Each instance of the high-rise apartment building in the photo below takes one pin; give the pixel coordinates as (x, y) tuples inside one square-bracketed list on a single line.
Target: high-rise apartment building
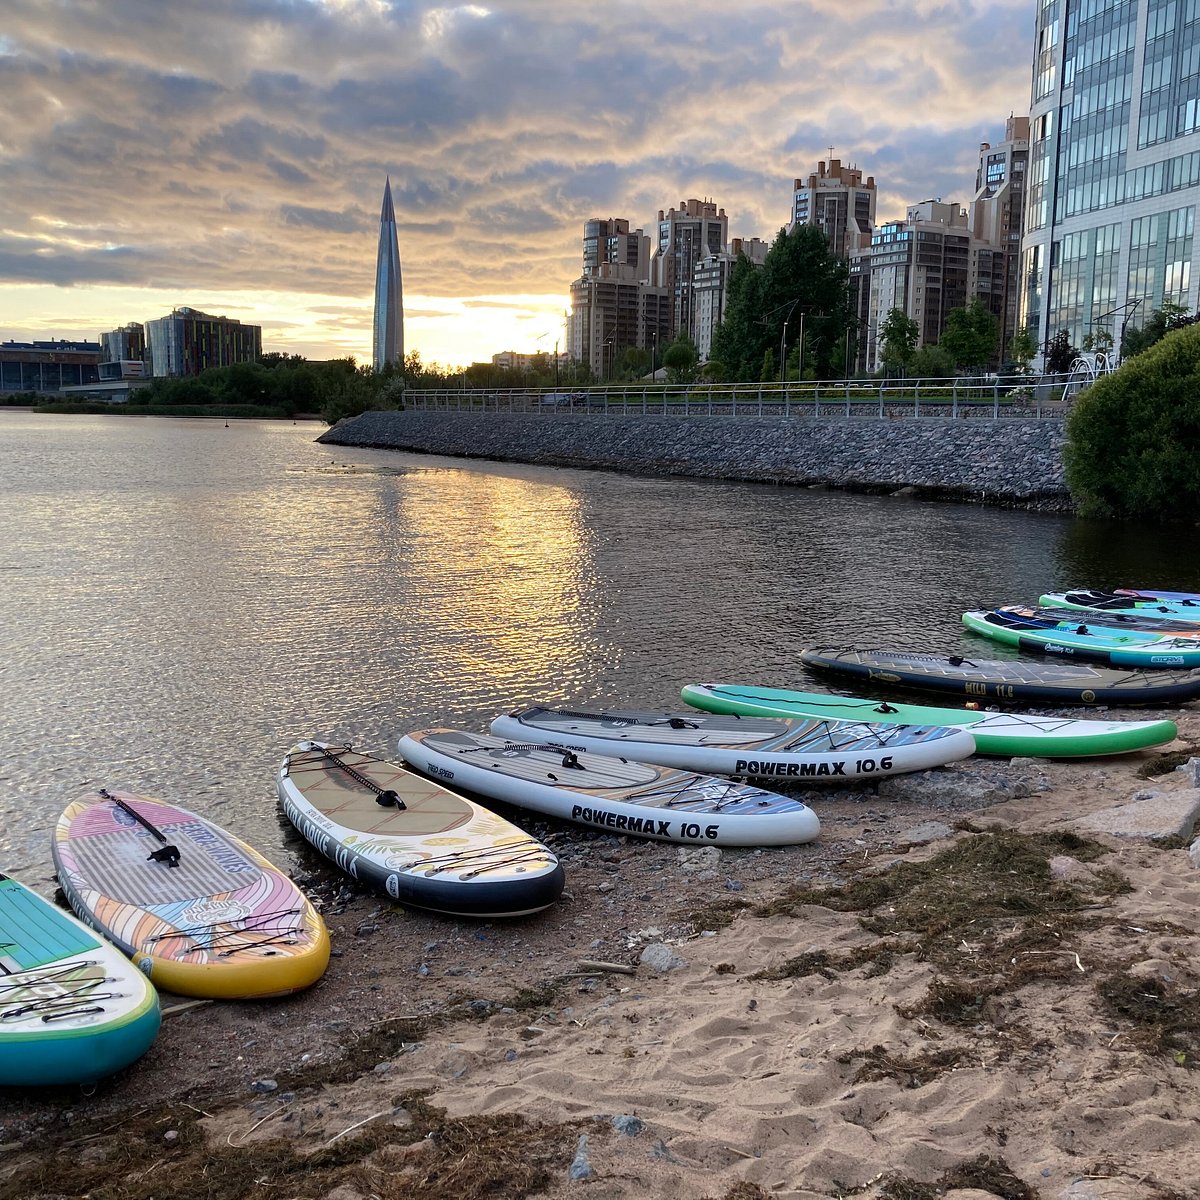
[(687, 234), (612, 242), (996, 214), (839, 202), (187, 342), (710, 286), (613, 306), (922, 266), (611, 314), (388, 341), (1114, 166)]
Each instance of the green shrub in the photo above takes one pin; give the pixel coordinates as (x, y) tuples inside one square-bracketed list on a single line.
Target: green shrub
[(1133, 437)]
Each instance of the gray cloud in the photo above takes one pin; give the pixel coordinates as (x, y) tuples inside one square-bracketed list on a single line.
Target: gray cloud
[(244, 144)]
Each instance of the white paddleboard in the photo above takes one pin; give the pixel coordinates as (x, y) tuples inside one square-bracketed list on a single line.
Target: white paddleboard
[(615, 794), (804, 748)]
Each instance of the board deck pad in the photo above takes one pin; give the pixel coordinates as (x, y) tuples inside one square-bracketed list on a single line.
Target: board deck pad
[(209, 863), (30, 936), (428, 809)]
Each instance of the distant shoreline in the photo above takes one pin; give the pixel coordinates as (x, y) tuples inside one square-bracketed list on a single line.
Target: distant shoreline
[(119, 410)]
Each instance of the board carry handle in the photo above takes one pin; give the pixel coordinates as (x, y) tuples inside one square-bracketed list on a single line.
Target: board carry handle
[(166, 852)]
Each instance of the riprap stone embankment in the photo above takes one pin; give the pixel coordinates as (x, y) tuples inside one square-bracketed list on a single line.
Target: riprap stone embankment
[(1012, 461)]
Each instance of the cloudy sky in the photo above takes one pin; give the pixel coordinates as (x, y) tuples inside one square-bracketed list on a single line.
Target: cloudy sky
[(231, 155)]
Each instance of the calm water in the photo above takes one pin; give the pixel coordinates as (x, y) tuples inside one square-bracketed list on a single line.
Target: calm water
[(180, 601)]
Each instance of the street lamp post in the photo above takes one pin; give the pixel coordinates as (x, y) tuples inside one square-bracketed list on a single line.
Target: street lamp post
[(783, 338)]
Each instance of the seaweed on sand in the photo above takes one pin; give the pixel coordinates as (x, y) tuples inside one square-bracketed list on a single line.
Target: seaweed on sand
[(497, 1156)]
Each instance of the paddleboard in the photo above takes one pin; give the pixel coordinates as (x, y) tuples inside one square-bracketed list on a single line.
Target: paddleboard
[(419, 842), (1118, 648), (1014, 680), (808, 748), (1187, 599), (1171, 606), (1161, 624), (1006, 734), (616, 794), (73, 1009), (198, 910)]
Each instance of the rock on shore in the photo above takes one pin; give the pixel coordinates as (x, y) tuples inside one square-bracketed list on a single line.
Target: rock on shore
[(1013, 462)]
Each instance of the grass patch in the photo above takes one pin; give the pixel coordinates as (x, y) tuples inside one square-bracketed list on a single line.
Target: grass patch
[(984, 1173), (1165, 1019), (497, 1157), (990, 892), (386, 1040), (914, 1072), (1165, 763)]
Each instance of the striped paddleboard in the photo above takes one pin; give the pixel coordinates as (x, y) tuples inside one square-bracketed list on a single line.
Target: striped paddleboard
[(197, 909)]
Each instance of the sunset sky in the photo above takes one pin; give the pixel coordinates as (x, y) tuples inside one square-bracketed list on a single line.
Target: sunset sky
[(231, 156)]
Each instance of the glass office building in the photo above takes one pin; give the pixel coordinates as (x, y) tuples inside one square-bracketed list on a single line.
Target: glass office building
[(188, 341), (1114, 166), (388, 326)]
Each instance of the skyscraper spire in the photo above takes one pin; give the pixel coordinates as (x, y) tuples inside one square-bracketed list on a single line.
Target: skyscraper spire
[(389, 294)]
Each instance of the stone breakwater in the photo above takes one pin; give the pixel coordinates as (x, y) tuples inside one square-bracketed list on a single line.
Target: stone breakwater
[(1014, 462)]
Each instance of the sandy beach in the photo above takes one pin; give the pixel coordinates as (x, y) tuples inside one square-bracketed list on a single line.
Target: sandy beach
[(979, 982)]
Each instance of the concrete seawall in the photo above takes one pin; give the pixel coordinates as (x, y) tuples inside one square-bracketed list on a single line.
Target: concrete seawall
[(1013, 462)]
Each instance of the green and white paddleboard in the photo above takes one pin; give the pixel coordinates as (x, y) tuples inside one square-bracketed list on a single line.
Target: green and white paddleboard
[(1005, 734)]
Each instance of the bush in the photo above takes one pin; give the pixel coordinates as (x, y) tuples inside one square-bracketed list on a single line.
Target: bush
[(1133, 437)]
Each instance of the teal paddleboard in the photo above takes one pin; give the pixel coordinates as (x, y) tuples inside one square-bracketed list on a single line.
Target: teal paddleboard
[(73, 1008), (1005, 734), (1154, 608), (1090, 643)]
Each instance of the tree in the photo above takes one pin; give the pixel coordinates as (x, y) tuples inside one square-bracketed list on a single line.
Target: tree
[(932, 362), (1157, 325), (1022, 349), (1060, 353), (738, 340), (898, 334), (970, 336), (680, 359), (1131, 436), (801, 285), (633, 363)]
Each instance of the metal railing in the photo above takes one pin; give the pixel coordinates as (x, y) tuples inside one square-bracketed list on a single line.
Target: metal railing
[(994, 398)]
